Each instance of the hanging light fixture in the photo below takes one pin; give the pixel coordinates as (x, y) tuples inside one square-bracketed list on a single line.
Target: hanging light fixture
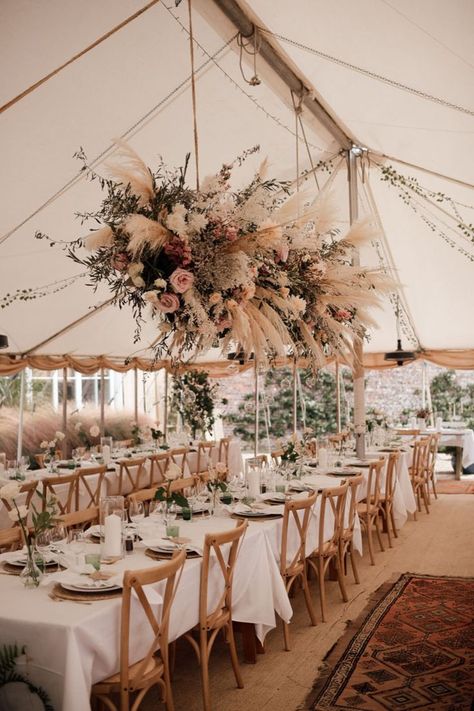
[(399, 355), (3, 341)]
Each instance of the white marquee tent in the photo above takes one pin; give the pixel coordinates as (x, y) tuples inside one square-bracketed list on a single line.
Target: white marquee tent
[(391, 76)]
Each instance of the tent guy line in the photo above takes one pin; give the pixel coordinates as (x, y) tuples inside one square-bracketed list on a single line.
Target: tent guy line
[(80, 54)]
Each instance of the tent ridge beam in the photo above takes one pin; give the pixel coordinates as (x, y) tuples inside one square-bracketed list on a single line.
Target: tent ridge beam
[(287, 74)]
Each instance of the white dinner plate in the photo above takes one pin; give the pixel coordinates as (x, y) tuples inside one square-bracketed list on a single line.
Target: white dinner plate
[(91, 586), (257, 514), (21, 562)]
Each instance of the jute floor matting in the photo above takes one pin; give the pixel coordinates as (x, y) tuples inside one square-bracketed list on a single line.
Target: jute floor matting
[(452, 486), (413, 649)]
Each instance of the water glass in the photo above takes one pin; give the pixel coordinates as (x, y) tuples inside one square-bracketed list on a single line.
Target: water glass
[(136, 511)]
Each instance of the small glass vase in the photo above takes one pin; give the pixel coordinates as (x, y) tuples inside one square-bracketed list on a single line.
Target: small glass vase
[(31, 574)]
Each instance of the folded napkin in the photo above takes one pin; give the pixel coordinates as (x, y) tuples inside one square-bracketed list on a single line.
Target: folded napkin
[(167, 545), (80, 575)]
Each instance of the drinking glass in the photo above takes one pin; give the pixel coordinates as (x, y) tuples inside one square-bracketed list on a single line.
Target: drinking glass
[(76, 544), (136, 511), (58, 538), (12, 468), (24, 465)]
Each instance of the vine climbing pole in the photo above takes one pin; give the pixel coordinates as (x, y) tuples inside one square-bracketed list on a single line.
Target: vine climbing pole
[(358, 371)]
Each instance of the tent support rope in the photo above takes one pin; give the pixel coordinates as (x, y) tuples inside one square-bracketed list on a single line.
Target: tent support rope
[(80, 54)]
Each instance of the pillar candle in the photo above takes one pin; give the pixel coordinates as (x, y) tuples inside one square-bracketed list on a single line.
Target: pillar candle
[(112, 536), (253, 482), (106, 454)]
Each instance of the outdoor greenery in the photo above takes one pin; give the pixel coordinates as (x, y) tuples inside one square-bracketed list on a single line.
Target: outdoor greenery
[(193, 398), (446, 392), (319, 394)]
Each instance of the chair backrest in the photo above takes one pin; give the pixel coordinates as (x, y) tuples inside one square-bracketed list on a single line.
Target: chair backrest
[(131, 475), (133, 583), (123, 443), (333, 500), (351, 500), (63, 488), (391, 475), (10, 538), (420, 457), (213, 546), (412, 432), (373, 482), (223, 454), (432, 452), (78, 519), (178, 455), (260, 460), (204, 456), (28, 488), (158, 466), (142, 496), (185, 484), (291, 516), (89, 486), (276, 455)]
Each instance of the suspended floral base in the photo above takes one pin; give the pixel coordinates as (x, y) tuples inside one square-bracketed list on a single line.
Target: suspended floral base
[(254, 270)]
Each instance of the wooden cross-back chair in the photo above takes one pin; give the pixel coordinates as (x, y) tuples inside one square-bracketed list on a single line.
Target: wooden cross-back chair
[(259, 459), (89, 485), (186, 484), (81, 518), (411, 432), (223, 453), (28, 488), (204, 456), (153, 668), (297, 514), (430, 473), (10, 538), (276, 455), (143, 496), (123, 443), (131, 475), (418, 472), (333, 499), (158, 466), (63, 488), (210, 623), (346, 542), (386, 499), (178, 455), (369, 509)]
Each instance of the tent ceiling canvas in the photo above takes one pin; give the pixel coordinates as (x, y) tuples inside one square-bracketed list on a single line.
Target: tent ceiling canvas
[(113, 89)]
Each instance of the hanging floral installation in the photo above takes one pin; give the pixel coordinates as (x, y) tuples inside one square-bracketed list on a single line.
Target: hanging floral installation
[(255, 269)]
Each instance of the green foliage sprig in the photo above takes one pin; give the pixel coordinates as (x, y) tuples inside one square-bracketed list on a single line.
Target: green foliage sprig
[(193, 397)]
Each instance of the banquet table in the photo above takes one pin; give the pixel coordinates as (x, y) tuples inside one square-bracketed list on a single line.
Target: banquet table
[(461, 439)]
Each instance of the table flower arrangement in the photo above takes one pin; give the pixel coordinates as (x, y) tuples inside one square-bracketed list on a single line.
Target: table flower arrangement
[(86, 438), (253, 268), (164, 493), (42, 521), (50, 449)]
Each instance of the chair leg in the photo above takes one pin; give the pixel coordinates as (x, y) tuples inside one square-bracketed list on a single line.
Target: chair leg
[(233, 656), (394, 526), (386, 515), (369, 541), (340, 580), (425, 498), (322, 589), (204, 668), (378, 532), (433, 484), (353, 564), (307, 597)]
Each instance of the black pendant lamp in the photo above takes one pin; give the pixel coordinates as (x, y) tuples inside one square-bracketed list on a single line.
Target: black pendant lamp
[(3, 341), (399, 355)]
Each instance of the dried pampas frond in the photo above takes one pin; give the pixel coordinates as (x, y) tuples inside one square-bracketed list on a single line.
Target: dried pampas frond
[(361, 232), (100, 238), (316, 352), (262, 169), (131, 170), (271, 334), (327, 211), (144, 232)]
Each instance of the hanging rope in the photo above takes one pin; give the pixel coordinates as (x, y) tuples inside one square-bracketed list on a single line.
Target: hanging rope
[(251, 47), (298, 109), (76, 56), (372, 75), (193, 94)]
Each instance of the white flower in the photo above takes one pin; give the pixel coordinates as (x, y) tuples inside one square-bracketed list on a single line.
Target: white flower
[(138, 282), (297, 305), (173, 472), (94, 431), (151, 297), (221, 468), (196, 222), (52, 444), (210, 184), (135, 268), (15, 515), (59, 435), (10, 491), (175, 220), (160, 283), (44, 444), (77, 427)]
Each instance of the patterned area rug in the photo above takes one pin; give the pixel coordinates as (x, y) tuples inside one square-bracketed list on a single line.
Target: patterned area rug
[(413, 650), (451, 486)]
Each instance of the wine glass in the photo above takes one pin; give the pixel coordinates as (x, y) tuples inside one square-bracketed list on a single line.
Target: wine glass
[(76, 544), (43, 541), (24, 465), (136, 511)]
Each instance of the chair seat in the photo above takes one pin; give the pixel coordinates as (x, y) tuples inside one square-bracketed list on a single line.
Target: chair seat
[(329, 548), (153, 669), (362, 509)]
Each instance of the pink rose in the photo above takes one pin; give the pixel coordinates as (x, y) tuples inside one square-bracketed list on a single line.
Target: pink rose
[(168, 303), (282, 253), (181, 280), (343, 314), (231, 233), (121, 261)]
